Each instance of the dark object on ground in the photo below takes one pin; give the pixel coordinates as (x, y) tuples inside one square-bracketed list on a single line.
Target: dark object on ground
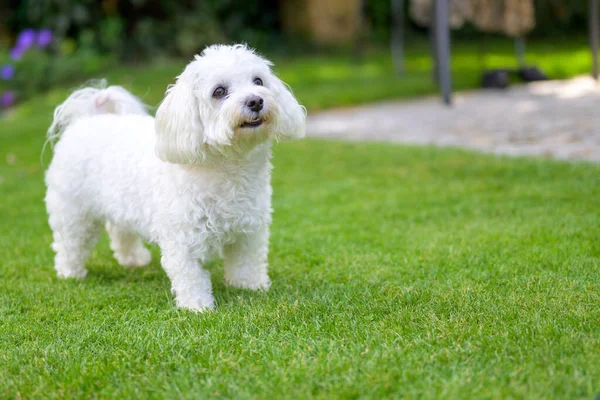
[(500, 78), (532, 74), (495, 79)]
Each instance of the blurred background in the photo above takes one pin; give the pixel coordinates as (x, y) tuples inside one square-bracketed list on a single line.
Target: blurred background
[(333, 52)]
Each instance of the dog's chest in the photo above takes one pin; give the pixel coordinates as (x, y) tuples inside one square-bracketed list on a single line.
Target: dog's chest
[(224, 208)]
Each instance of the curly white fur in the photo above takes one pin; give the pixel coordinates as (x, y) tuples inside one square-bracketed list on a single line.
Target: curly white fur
[(195, 180)]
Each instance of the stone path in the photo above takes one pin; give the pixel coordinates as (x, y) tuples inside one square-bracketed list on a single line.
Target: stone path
[(559, 119)]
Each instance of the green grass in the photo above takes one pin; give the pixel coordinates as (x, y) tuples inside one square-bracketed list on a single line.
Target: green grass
[(397, 272)]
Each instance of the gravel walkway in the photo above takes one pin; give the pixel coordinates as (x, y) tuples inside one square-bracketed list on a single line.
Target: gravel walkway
[(559, 119)]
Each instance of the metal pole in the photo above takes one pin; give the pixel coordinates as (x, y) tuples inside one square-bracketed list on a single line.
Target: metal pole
[(442, 47), (398, 36), (520, 49), (594, 35), (433, 45)]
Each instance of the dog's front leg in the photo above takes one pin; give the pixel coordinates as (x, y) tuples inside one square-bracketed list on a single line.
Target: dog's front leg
[(246, 262), (190, 283)]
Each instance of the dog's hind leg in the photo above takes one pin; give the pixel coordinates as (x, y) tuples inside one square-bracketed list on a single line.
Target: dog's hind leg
[(127, 247), (75, 234)]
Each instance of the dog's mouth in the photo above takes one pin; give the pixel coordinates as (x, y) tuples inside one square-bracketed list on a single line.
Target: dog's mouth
[(255, 123)]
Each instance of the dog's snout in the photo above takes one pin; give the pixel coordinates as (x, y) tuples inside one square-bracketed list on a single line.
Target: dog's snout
[(255, 103)]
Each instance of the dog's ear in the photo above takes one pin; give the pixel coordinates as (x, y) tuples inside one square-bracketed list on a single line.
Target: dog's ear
[(292, 116), (179, 129)]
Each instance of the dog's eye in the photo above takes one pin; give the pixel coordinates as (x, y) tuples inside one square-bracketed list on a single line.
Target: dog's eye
[(219, 92), (258, 81)]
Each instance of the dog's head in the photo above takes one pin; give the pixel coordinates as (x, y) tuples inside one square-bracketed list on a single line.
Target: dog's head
[(226, 101)]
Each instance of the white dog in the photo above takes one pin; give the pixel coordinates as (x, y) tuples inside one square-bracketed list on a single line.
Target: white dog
[(195, 180)]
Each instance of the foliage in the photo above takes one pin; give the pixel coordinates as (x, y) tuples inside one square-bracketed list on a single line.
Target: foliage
[(136, 29), (142, 28), (561, 17), (251, 21), (38, 61)]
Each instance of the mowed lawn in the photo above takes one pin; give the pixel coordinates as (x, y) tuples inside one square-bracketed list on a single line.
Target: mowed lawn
[(399, 272)]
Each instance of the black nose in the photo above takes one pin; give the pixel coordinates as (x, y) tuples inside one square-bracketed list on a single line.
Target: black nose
[(255, 103)]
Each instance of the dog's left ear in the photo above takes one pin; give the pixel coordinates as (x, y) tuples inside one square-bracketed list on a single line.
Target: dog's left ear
[(292, 116)]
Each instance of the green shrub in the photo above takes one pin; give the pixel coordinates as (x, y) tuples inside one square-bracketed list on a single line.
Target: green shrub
[(135, 29), (31, 66)]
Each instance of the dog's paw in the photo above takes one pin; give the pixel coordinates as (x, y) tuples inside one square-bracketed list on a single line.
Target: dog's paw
[(65, 273), (252, 283), (196, 303)]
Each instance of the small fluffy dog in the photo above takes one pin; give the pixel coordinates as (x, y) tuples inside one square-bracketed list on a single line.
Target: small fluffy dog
[(195, 180)]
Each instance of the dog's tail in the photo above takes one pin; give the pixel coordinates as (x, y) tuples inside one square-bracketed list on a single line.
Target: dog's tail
[(93, 100)]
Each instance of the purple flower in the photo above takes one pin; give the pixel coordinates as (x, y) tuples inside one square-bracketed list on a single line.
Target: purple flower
[(7, 99), (7, 72), (26, 39), (44, 38)]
